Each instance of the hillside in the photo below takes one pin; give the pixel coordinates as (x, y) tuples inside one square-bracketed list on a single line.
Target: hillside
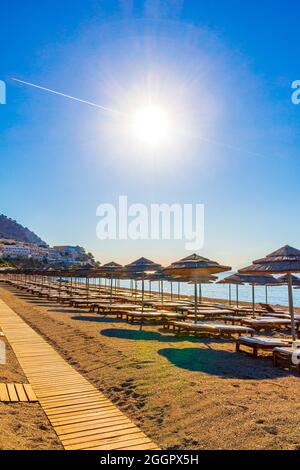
[(10, 229)]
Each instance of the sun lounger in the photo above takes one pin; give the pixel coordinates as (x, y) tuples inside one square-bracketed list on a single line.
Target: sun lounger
[(281, 315), (264, 323), (143, 316), (246, 311), (268, 308), (233, 319), (284, 355), (170, 305), (81, 303), (260, 342), (211, 328), (164, 317), (210, 313)]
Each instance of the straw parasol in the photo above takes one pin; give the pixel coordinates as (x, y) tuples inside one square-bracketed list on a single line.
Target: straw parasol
[(285, 279), (232, 279), (160, 277), (261, 280), (285, 260), (111, 270), (193, 267)]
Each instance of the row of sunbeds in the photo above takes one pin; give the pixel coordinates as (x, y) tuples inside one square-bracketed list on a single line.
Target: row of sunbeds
[(178, 317)]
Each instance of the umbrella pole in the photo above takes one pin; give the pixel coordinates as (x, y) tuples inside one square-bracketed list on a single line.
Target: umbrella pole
[(171, 290), (178, 290), (111, 288), (162, 292), (143, 288), (59, 288), (87, 287), (253, 300), (266, 294), (291, 306), (200, 290), (196, 302), (229, 294), (237, 296)]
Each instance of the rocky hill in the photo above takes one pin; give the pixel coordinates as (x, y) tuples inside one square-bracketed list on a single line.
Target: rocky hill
[(11, 230)]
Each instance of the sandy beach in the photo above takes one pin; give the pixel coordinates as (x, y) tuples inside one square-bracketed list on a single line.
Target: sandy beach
[(184, 393)]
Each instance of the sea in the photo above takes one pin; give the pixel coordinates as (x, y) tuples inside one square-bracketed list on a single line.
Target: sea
[(276, 295)]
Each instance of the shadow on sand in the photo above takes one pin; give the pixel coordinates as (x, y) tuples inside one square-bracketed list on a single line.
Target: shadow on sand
[(98, 319), (144, 335), (68, 310), (220, 363)]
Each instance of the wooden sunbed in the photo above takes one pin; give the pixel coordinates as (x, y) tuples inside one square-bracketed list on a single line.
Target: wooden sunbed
[(233, 319), (268, 308), (281, 315), (283, 355), (80, 302), (246, 311), (115, 308), (164, 317), (211, 328), (264, 323), (260, 342), (170, 305), (210, 313)]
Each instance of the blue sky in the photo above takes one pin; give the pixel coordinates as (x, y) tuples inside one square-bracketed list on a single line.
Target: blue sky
[(223, 68)]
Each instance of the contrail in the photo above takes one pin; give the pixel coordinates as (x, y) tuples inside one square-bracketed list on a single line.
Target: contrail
[(90, 103), (120, 113)]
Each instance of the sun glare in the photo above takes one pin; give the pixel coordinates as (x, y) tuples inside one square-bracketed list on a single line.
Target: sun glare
[(151, 125)]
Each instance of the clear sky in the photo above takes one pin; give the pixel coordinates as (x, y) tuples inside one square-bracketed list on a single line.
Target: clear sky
[(222, 69)]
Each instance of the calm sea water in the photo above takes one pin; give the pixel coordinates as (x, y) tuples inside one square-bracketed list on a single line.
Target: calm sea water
[(276, 295)]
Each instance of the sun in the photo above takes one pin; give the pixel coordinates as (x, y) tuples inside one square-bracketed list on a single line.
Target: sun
[(151, 125)]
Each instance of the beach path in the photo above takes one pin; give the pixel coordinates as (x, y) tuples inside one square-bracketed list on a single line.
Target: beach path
[(82, 417)]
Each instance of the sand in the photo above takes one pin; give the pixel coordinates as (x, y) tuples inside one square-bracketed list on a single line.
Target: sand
[(184, 393)]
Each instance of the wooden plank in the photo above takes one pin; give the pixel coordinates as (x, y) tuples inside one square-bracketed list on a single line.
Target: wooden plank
[(65, 411), (21, 392), (94, 432), (12, 392), (4, 393), (102, 440), (118, 444), (30, 393), (75, 418)]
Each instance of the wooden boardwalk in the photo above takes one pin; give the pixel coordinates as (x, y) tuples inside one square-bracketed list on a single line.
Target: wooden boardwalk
[(83, 418)]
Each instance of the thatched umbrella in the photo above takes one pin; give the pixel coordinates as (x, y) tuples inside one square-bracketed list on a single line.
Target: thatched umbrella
[(111, 270), (261, 280), (86, 272), (233, 279), (142, 267), (285, 260), (193, 267), (160, 277), (285, 280)]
